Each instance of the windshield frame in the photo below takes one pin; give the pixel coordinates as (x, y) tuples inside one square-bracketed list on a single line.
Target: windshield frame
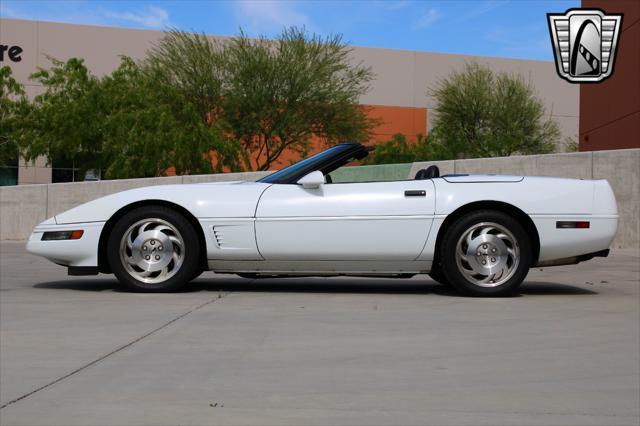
[(325, 162)]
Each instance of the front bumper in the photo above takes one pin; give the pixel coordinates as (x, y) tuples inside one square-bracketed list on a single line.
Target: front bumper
[(75, 253)]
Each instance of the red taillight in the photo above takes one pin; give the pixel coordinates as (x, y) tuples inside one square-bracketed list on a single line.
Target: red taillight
[(583, 224)]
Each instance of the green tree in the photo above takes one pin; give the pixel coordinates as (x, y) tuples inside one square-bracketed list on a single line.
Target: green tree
[(150, 127), (12, 104), (274, 95), (192, 64), (64, 122), (481, 113), (127, 124), (198, 106), (399, 150)]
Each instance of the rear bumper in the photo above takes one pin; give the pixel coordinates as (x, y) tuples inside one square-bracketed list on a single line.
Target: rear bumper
[(558, 244), (74, 253), (574, 260)]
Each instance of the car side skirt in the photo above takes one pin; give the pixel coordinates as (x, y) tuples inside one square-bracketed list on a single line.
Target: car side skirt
[(320, 267)]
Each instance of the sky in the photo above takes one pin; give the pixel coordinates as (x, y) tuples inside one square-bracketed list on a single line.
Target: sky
[(514, 29)]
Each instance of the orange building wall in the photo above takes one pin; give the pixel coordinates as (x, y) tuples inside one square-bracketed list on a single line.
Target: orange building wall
[(406, 120)]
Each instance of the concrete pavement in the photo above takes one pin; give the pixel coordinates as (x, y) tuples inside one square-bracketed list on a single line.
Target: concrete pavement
[(75, 350)]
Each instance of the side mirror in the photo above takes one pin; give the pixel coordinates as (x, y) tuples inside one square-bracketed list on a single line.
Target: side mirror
[(312, 181)]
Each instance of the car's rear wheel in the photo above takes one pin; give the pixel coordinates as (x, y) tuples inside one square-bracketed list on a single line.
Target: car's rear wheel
[(154, 248), (486, 253)]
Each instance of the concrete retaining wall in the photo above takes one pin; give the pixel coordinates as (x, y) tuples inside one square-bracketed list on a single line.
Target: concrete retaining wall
[(22, 207)]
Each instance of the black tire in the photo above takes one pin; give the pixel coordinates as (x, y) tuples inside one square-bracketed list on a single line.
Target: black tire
[(190, 266), (198, 272), (438, 276), (457, 270)]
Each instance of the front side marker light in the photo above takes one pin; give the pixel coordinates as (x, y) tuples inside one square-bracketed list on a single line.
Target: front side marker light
[(62, 235), (572, 225)]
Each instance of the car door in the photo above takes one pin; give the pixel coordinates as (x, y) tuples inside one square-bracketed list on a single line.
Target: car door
[(345, 221)]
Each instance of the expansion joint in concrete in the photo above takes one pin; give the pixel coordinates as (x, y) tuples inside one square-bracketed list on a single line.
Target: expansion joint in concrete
[(115, 351)]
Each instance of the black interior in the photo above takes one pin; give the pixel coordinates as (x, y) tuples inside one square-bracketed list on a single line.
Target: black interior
[(428, 173)]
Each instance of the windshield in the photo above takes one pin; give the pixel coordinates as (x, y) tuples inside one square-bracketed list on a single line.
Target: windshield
[(316, 162)]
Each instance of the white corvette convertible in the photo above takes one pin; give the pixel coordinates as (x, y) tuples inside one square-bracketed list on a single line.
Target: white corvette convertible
[(478, 233)]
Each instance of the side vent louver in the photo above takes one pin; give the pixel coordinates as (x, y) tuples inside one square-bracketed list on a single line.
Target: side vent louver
[(218, 235)]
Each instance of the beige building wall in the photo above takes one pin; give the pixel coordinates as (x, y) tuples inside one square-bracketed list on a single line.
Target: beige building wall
[(403, 78), (37, 171)]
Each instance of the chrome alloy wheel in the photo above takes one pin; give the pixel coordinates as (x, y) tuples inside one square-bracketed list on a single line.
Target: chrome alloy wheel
[(152, 250), (487, 254)]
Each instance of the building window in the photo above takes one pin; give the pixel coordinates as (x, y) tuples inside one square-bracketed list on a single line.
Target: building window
[(64, 170), (9, 173)]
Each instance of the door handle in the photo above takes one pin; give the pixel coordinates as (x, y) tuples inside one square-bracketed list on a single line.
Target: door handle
[(415, 193)]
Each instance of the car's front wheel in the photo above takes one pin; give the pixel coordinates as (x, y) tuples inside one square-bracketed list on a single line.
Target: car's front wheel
[(154, 248), (486, 253)]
